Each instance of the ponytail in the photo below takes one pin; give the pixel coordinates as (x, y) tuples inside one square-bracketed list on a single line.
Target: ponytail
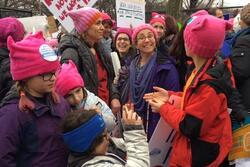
[(24, 102)]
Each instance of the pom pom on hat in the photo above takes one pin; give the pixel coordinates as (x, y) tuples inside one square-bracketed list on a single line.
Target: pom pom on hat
[(204, 34), (156, 17), (68, 79), (127, 31), (83, 18), (140, 28), (31, 57)]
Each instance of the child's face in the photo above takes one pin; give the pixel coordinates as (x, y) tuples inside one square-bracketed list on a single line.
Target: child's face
[(40, 84), (75, 96)]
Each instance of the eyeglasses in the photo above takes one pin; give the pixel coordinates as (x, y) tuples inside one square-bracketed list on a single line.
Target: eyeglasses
[(48, 76), (143, 38), (124, 39)]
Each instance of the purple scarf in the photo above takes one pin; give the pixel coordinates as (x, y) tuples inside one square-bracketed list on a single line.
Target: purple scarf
[(139, 84)]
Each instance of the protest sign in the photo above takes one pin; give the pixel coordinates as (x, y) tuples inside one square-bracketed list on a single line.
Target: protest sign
[(160, 144), (130, 13), (59, 9)]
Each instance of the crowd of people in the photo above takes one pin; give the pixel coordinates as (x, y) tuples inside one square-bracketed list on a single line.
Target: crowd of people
[(94, 96)]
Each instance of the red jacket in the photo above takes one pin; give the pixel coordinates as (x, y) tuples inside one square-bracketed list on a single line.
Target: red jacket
[(204, 135)]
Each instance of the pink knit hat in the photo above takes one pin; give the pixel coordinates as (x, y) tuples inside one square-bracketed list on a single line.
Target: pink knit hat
[(105, 16), (31, 57), (127, 31), (67, 79), (204, 34), (140, 28), (10, 26), (83, 18), (156, 17)]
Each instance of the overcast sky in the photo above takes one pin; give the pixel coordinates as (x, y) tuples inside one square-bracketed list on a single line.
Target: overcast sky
[(234, 2)]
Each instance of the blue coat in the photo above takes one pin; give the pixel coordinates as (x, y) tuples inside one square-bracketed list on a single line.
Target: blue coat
[(32, 138)]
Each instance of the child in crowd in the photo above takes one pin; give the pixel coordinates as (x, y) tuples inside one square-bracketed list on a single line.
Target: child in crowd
[(85, 134), (31, 112), (202, 123), (70, 85)]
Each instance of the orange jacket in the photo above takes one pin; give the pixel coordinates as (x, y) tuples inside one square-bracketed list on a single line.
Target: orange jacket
[(204, 135)]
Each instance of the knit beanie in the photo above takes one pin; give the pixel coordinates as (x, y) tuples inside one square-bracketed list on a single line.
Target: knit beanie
[(68, 78), (140, 28), (156, 17), (127, 31), (10, 26), (204, 34), (83, 18), (31, 57)]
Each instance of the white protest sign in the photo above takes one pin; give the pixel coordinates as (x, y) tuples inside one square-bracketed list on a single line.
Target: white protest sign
[(59, 9), (130, 12), (160, 144)]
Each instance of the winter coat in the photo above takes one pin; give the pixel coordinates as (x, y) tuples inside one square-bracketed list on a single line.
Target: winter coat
[(165, 75), (32, 138), (93, 100), (72, 48), (203, 126), (134, 144), (241, 64), (5, 79)]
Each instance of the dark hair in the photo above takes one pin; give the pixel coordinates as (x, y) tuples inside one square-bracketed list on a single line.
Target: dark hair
[(212, 11), (171, 25), (74, 120), (245, 14), (24, 102), (108, 21), (177, 49)]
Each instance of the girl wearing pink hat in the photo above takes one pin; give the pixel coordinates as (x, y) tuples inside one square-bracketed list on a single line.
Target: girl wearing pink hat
[(31, 112), (145, 72), (70, 85), (201, 120), (93, 61)]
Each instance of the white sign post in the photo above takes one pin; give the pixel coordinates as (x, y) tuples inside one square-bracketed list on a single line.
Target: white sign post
[(130, 13), (59, 9)]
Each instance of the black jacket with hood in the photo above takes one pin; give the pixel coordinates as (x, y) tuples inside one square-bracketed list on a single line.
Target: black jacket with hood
[(72, 48)]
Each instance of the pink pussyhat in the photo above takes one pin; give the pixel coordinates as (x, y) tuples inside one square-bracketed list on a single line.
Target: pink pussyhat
[(68, 78), (140, 28), (127, 31), (31, 57), (10, 26), (204, 34), (156, 17), (83, 18)]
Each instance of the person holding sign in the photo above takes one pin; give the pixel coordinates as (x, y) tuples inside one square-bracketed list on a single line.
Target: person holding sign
[(145, 72), (202, 124), (93, 61), (31, 112)]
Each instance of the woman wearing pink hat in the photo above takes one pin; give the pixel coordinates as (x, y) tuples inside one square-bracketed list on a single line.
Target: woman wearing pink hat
[(145, 72), (31, 112), (91, 58), (202, 122)]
